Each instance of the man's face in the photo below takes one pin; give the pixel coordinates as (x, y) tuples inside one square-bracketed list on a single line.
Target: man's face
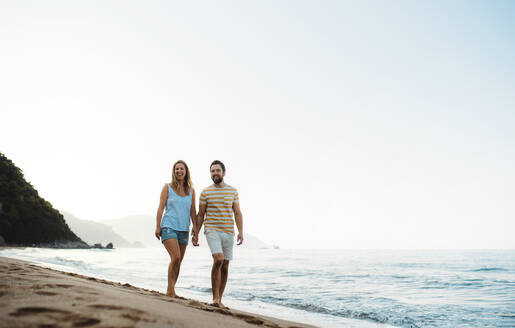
[(217, 174)]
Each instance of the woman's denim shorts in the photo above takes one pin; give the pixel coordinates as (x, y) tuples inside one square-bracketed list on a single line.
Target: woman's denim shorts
[(181, 236)]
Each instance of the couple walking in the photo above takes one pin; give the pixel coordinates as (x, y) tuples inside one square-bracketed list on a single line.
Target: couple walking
[(217, 204)]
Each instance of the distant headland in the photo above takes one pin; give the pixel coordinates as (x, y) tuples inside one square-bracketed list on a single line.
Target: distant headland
[(26, 219)]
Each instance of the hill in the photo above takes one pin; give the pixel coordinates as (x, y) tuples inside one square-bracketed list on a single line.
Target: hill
[(141, 228), (136, 228), (26, 219), (95, 232)]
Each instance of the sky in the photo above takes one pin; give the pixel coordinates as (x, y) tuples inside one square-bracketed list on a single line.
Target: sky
[(343, 124)]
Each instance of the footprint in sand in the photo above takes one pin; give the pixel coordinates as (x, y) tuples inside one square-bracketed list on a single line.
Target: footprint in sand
[(35, 310), (132, 317), (41, 275), (117, 308), (46, 293), (132, 314), (249, 318), (194, 303), (107, 307), (47, 326), (216, 309), (84, 322), (76, 319)]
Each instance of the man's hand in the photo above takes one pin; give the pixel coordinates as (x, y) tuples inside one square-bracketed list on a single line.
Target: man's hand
[(158, 233), (194, 237), (240, 239)]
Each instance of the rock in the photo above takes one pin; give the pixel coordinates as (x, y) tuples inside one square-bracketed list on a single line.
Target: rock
[(97, 246), (109, 246), (66, 244)]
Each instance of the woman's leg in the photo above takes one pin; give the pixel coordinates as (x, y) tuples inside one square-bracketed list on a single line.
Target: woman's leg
[(172, 246), (182, 249)]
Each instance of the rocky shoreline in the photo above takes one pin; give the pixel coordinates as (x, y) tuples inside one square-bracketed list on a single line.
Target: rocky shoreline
[(64, 244)]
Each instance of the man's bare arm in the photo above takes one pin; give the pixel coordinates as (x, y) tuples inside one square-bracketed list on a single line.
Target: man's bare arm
[(238, 217), (200, 216)]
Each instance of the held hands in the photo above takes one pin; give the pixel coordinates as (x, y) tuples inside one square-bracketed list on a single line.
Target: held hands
[(240, 238), (158, 233), (194, 237)]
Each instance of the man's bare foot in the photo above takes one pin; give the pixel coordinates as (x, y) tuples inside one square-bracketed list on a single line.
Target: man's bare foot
[(173, 295), (219, 304)]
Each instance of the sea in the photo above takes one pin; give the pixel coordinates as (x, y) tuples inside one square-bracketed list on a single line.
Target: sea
[(325, 288)]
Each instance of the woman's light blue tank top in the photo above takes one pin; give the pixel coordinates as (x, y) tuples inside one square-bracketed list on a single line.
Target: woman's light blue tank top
[(177, 214)]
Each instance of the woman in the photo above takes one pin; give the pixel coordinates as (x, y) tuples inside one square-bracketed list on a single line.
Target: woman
[(178, 197)]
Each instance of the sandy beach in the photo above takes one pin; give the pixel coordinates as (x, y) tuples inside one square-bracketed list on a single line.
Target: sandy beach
[(33, 296)]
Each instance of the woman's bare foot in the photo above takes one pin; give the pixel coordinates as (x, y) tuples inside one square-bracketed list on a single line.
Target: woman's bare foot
[(221, 305)]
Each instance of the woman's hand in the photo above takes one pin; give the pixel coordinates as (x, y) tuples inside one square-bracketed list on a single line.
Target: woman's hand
[(194, 237), (158, 233)]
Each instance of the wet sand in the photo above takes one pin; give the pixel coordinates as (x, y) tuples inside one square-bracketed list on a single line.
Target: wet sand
[(33, 296)]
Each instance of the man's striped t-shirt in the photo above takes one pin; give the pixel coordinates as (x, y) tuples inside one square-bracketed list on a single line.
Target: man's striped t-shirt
[(219, 211)]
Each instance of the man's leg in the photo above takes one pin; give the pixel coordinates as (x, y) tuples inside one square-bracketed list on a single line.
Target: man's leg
[(172, 246), (224, 273), (227, 246), (218, 259)]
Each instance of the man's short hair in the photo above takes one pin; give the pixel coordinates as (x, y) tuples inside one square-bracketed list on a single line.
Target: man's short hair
[(215, 162)]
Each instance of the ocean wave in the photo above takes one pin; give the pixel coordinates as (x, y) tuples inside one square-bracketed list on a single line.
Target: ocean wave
[(298, 304), (505, 282), (294, 274), (399, 277), (68, 262), (352, 314), (200, 289), (468, 284), (486, 269), (243, 296)]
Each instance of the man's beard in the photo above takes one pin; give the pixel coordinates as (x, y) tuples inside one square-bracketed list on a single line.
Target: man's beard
[(217, 179)]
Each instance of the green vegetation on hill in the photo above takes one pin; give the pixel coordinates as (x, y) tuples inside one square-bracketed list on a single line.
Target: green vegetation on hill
[(25, 217)]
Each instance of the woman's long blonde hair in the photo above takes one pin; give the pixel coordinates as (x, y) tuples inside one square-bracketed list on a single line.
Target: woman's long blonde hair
[(187, 179)]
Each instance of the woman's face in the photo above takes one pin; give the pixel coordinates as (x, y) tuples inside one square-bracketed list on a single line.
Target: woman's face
[(180, 171)]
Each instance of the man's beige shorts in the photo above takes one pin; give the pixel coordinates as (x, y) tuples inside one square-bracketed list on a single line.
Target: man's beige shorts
[(220, 242)]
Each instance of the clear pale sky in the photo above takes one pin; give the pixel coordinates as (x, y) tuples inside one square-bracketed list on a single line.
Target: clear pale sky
[(363, 124)]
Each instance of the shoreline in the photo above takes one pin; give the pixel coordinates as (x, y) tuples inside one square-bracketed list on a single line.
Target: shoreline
[(35, 296)]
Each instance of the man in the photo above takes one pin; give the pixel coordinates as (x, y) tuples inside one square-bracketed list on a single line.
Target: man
[(217, 203)]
